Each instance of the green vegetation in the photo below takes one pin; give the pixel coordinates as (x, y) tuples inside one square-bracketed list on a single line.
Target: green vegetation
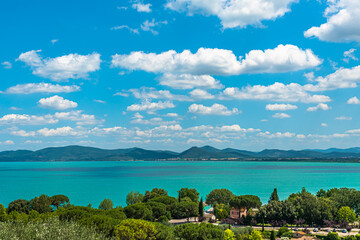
[(147, 216)]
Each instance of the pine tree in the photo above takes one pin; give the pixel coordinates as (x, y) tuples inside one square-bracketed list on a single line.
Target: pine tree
[(274, 196)]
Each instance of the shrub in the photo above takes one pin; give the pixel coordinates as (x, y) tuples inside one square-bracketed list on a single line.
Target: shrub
[(101, 223), (200, 231), (139, 211), (332, 236), (135, 229), (50, 229), (19, 205)]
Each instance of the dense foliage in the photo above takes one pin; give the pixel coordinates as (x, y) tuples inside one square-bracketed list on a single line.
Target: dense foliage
[(147, 216)]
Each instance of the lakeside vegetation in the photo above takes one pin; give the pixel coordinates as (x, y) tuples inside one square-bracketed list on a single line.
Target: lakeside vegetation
[(147, 216)]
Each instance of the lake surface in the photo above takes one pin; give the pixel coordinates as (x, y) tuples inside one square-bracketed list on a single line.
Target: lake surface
[(91, 182)]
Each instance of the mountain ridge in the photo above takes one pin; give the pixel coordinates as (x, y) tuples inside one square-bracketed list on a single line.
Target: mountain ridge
[(83, 153)]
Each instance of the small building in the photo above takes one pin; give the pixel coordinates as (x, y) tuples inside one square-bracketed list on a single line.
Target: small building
[(299, 234), (238, 213)]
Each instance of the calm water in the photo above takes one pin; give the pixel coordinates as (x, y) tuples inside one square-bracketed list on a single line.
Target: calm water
[(91, 182)]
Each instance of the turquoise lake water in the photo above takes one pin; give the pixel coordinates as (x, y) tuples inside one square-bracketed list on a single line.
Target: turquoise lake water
[(91, 182)]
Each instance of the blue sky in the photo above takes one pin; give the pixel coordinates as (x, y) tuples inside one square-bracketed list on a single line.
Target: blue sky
[(172, 74)]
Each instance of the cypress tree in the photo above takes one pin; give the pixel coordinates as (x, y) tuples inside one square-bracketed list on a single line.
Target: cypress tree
[(272, 236), (201, 207), (274, 196)]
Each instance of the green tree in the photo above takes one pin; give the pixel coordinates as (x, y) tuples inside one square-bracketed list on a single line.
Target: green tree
[(59, 201), (245, 201), (106, 204), (3, 214), (159, 209), (134, 197), (184, 209), (221, 196), (101, 223), (346, 214), (155, 192), (41, 204), (274, 196), (221, 211), (164, 232), (191, 193), (201, 207), (332, 236), (19, 205), (135, 229), (255, 235), (229, 235), (139, 211)]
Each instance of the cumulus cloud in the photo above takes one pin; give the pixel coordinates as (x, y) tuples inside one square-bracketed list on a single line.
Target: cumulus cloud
[(208, 61), (234, 13), (62, 131), (201, 94), (281, 115), (280, 107), (215, 109), (56, 102), (147, 93), (78, 117), (353, 100), (141, 7), (276, 135), (139, 119), (279, 92), (24, 119), (188, 81), (324, 124), (342, 22), (151, 106), (72, 66), (30, 88), (7, 142), (320, 106)]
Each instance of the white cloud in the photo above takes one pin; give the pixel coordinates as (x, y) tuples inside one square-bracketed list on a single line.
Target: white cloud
[(234, 13), (201, 94), (353, 100), (344, 118), (309, 76), (342, 22), (133, 30), (63, 131), (53, 41), (78, 117), (215, 109), (149, 26), (150, 106), (188, 81), (281, 115), (99, 101), (141, 7), (350, 55), (172, 115), (208, 61), (30, 88), (61, 68), (236, 128), (7, 142), (320, 106), (147, 93), (279, 92), (324, 125), (341, 78), (139, 119), (276, 135), (15, 108), (56, 102), (353, 131), (24, 119), (6, 64), (280, 107), (22, 133)]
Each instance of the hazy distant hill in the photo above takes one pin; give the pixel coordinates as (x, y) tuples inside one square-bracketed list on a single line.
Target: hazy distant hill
[(80, 153)]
